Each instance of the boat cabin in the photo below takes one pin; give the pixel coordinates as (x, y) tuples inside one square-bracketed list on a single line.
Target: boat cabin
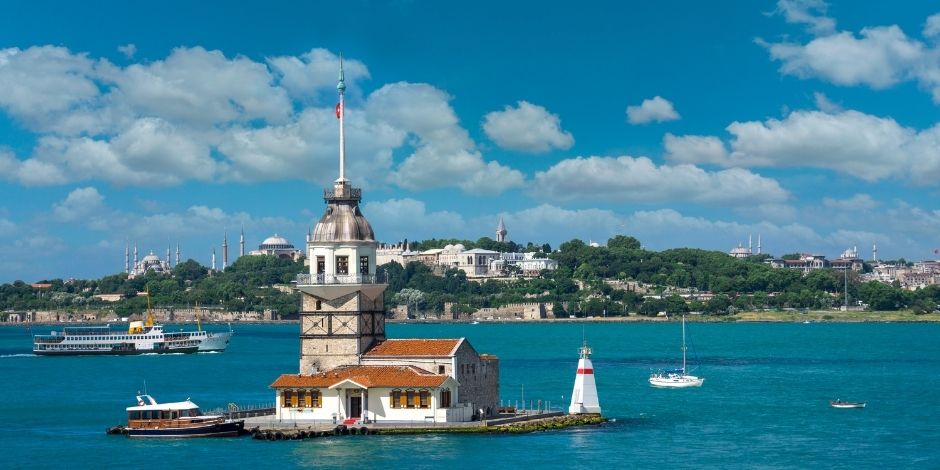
[(150, 414)]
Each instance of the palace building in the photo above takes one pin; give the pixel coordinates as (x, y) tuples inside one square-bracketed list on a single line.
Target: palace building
[(349, 371)]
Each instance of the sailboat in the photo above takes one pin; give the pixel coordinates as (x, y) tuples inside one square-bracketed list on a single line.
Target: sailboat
[(676, 378)]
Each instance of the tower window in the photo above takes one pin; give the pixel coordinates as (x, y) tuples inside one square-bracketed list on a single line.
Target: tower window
[(321, 264), (363, 265), (342, 265)]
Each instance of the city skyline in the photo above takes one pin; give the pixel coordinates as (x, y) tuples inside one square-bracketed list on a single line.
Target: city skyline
[(810, 123)]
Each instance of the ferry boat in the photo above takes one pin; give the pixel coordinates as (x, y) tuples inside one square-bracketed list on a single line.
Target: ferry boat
[(180, 419), (140, 338)]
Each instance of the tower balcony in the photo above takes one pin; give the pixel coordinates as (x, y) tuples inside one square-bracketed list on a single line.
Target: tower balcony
[(305, 279)]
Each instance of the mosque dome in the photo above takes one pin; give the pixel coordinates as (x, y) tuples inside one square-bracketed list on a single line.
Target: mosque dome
[(343, 222), (151, 258), (276, 242)]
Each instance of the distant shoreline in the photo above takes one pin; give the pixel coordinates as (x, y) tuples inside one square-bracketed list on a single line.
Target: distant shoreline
[(814, 316)]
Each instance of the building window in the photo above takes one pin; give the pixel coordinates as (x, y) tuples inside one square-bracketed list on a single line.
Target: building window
[(445, 398), (363, 265), (395, 399), (303, 400), (411, 400), (321, 265), (289, 399), (316, 399), (319, 306), (440, 369), (423, 401), (342, 265)]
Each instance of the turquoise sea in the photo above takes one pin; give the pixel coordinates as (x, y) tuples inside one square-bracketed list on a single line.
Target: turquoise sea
[(764, 403)]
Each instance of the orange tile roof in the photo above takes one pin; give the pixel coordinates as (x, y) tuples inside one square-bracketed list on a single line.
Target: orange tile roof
[(367, 376), (415, 347)]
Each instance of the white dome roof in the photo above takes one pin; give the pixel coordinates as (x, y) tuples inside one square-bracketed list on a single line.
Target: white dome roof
[(151, 257), (275, 240)]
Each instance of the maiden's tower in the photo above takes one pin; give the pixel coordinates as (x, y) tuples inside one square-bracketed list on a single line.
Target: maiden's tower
[(348, 369)]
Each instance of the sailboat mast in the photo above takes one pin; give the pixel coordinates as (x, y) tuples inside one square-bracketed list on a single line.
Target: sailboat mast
[(683, 344)]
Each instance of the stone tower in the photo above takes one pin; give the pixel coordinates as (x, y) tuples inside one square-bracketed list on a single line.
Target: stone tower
[(342, 312), (501, 231)]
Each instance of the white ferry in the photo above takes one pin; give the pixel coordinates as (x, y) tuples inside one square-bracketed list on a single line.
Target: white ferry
[(180, 419), (140, 338)]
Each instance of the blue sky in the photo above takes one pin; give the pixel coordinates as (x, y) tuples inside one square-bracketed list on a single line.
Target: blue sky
[(681, 123)]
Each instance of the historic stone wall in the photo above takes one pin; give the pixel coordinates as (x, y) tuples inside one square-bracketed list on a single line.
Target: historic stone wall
[(523, 311), (479, 379)]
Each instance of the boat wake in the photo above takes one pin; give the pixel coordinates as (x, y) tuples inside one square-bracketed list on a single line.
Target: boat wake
[(17, 355), (209, 352), (163, 354)]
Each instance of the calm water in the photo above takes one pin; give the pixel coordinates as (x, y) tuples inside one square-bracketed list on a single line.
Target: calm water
[(764, 403)]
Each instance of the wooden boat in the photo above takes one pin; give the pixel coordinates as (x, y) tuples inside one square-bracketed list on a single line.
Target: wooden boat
[(837, 403), (180, 419)]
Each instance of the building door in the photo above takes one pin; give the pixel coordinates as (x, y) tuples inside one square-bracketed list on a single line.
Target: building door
[(355, 407)]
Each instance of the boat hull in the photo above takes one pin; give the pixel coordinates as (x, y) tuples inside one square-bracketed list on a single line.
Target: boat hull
[(676, 382), (215, 342), (846, 405), (226, 429), (111, 352)]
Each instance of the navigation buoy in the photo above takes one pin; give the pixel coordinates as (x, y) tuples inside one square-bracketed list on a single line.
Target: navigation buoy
[(584, 396)]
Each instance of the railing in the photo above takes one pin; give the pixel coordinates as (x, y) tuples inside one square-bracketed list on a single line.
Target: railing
[(323, 279), (349, 193)]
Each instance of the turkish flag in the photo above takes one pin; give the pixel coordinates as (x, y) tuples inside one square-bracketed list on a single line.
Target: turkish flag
[(339, 110)]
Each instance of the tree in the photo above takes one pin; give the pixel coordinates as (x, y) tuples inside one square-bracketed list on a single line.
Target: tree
[(409, 296), (621, 242)]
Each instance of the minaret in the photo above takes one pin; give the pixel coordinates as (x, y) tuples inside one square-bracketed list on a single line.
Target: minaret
[(213, 259), (501, 231), (758, 244), (342, 311), (584, 396), (167, 254), (750, 246), (241, 243), (225, 250), (135, 254), (127, 257), (177, 253), (874, 252)]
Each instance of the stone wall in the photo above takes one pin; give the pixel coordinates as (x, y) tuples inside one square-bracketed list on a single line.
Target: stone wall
[(479, 379), (523, 311)]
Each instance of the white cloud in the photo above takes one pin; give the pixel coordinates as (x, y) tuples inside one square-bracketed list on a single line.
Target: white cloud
[(128, 50), (7, 227), (315, 71), (878, 57), (824, 104), (823, 140), (199, 115), (696, 149), (200, 87), (79, 204), (397, 219), (528, 128), (812, 13), (40, 84), (858, 202), (656, 109), (444, 155), (640, 180), (932, 26)]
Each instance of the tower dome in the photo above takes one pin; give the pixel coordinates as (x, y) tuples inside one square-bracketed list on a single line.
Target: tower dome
[(342, 220)]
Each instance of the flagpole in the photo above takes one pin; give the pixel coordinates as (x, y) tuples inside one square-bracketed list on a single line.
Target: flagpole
[(341, 114)]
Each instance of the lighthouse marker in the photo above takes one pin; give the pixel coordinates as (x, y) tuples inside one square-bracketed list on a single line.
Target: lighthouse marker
[(584, 395)]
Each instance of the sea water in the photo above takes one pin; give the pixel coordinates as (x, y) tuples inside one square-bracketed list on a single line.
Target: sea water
[(764, 404)]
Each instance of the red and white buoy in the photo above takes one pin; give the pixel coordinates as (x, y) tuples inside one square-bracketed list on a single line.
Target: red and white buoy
[(584, 396)]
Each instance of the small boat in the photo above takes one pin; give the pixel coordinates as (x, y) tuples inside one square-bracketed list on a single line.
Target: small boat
[(676, 378), (837, 403), (180, 419)]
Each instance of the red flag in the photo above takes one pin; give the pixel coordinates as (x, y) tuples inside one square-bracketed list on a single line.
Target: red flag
[(339, 110)]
